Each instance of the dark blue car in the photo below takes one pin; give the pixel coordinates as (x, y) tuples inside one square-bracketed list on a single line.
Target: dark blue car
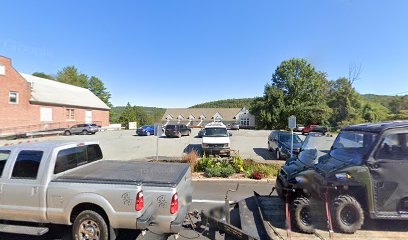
[(145, 130)]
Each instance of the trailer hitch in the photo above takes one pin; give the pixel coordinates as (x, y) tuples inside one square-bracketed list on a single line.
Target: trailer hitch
[(227, 204)]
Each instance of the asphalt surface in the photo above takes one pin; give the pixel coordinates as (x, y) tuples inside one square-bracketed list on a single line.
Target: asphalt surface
[(125, 145)]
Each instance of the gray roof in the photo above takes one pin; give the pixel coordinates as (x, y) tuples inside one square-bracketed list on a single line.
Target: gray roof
[(57, 93), (228, 114)]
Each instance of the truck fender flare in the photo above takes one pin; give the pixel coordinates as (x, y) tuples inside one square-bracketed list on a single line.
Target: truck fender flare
[(91, 198)]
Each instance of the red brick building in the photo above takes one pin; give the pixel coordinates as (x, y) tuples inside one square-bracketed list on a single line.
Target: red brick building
[(28, 102)]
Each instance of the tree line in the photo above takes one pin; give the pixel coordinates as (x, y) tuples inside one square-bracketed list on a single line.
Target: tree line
[(298, 88)]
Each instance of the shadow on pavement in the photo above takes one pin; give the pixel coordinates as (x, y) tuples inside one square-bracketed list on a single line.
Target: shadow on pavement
[(193, 147), (264, 153)]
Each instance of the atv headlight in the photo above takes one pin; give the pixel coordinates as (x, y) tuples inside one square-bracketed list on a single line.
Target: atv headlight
[(343, 176), (301, 179)]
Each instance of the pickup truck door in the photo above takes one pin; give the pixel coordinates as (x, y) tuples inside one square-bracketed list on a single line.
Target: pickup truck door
[(23, 194)]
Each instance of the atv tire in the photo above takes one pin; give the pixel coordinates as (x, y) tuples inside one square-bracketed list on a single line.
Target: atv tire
[(301, 215), (348, 216)]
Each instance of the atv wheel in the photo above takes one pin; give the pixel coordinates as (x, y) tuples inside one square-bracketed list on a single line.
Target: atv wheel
[(348, 216), (302, 215)]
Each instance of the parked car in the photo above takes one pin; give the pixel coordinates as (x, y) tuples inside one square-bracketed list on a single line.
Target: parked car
[(216, 140), (201, 133), (83, 129), (279, 142), (298, 128), (314, 128), (145, 130), (177, 130), (234, 126), (69, 184)]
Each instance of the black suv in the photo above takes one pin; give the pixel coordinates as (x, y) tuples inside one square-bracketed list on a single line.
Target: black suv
[(177, 130)]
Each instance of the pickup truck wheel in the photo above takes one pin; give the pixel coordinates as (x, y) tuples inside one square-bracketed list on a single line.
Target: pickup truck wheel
[(67, 133), (348, 216), (90, 225), (302, 215)]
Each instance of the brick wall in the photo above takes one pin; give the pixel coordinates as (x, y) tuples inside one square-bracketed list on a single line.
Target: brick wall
[(25, 113)]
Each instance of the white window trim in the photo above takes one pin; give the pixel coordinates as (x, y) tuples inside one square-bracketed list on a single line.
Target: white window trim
[(2, 69), (17, 97), (69, 118)]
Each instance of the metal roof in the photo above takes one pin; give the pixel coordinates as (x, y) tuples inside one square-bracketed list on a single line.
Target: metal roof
[(376, 127), (52, 92)]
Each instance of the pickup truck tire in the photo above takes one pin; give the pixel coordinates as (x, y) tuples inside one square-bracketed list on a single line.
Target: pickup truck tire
[(301, 215), (90, 225), (348, 216)]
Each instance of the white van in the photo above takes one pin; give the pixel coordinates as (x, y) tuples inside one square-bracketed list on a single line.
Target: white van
[(216, 139)]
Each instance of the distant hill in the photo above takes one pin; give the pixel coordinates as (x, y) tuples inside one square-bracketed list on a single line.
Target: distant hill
[(381, 99), (227, 103)]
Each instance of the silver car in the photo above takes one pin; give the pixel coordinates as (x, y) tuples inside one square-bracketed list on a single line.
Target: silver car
[(84, 129)]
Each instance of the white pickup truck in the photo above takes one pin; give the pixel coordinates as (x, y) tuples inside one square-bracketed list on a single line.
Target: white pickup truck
[(69, 183)]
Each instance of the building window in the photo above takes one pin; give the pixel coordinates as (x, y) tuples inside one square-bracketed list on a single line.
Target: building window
[(70, 114), (244, 122), (45, 114), (13, 97), (2, 69)]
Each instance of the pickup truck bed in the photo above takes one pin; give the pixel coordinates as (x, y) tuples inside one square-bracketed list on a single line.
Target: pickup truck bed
[(128, 172)]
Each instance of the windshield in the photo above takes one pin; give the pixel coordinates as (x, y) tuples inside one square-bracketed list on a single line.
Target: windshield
[(315, 146), (171, 127), (216, 132), (352, 146), (286, 138)]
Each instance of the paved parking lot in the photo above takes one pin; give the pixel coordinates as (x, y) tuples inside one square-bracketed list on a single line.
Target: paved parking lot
[(125, 145)]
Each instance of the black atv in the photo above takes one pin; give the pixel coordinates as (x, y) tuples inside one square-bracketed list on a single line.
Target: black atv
[(365, 174)]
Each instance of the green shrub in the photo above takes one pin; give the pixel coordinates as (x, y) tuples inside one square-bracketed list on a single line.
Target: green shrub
[(238, 163), (248, 164), (227, 171), (213, 172), (204, 163)]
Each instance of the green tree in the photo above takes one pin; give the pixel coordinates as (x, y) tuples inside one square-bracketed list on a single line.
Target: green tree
[(345, 102), (374, 112), (43, 75), (72, 76), (127, 115), (134, 114), (298, 89), (98, 88)]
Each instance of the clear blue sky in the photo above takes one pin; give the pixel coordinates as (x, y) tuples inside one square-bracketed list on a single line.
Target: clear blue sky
[(179, 53)]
